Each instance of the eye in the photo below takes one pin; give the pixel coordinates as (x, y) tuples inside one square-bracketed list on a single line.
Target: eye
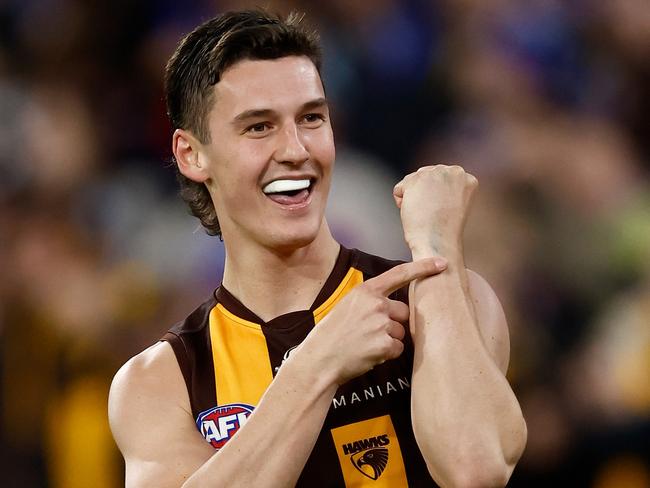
[(259, 128), (313, 119)]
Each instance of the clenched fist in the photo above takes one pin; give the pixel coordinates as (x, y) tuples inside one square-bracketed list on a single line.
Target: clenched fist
[(434, 203)]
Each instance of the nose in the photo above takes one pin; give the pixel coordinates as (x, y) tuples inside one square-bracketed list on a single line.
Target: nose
[(291, 148)]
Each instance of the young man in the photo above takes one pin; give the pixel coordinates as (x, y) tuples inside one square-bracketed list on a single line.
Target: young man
[(309, 351)]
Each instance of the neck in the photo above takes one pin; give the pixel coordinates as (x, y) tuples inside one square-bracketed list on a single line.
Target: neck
[(271, 282)]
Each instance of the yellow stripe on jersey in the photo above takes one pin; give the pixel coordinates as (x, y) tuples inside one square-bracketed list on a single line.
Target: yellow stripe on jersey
[(369, 454), (242, 368), (353, 278)]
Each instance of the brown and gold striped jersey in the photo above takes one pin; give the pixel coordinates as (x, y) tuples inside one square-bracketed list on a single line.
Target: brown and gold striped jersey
[(229, 356)]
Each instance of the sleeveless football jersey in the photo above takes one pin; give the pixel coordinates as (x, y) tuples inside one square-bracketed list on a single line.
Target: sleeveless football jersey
[(229, 356)]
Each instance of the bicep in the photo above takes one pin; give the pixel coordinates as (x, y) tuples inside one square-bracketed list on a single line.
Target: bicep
[(491, 320), (152, 423)]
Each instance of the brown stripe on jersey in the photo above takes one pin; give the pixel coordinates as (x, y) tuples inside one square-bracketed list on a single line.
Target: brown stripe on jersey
[(416, 468), (284, 333), (242, 368), (190, 342), (321, 467), (231, 303), (374, 266)]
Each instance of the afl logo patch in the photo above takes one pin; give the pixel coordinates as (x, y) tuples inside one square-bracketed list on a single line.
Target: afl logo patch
[(219, 424)]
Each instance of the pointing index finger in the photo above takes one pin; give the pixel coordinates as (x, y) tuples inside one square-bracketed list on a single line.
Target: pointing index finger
[(402, 274)]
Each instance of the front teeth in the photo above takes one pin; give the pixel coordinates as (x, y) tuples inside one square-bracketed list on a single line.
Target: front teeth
[(281, 186)]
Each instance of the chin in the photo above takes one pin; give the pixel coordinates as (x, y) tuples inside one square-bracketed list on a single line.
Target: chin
[(292, 239), (293, 242)]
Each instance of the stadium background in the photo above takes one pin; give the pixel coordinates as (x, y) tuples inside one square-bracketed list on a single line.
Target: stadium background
[(546, 101)]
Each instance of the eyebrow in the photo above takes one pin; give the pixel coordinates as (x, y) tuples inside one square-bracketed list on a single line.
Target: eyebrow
[(266, 112), (318, 103)]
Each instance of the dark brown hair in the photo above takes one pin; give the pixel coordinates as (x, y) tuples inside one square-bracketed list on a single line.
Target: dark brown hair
[(198, 64)]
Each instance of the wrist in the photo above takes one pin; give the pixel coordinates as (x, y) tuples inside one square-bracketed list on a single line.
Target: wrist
[(312, 369), (421, 249)]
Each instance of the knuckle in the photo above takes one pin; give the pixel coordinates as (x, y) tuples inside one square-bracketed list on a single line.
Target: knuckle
[(381, 306), (389, 327), (387, 346), (366, 288), (396, 349), (408, 179)]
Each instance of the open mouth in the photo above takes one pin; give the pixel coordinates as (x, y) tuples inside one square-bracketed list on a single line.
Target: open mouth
[(289, 192)]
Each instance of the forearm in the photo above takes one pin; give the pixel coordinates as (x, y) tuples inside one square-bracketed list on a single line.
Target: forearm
[(272, 448), (466, 418)]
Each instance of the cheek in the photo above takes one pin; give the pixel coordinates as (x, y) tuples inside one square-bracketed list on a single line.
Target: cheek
[(325, 151), (239, 169), (231, 185)]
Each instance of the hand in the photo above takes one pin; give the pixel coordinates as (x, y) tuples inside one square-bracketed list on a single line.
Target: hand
[(434, 203), (365, 328)]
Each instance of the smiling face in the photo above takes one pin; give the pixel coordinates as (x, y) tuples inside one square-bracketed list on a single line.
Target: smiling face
[(271, 152)]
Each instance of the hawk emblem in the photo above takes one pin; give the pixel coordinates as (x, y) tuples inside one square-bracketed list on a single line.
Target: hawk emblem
[(371, 463)]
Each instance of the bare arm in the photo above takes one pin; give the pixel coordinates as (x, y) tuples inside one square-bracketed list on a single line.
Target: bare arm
[(466, 419), (152, 423), (153, 426)]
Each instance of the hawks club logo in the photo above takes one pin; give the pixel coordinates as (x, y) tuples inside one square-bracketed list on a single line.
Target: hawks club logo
[(219, 424), (368, 455), (286, 356)]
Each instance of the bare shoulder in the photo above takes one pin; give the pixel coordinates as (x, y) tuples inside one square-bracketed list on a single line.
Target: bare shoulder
[(145, 370), (145, 377), (151, 420), (491, 319), (148, 382)]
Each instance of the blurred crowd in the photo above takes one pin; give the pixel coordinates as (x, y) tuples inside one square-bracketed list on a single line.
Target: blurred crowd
[(547, 102)]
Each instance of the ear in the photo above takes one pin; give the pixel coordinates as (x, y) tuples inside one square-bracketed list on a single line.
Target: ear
[(187, 149)]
